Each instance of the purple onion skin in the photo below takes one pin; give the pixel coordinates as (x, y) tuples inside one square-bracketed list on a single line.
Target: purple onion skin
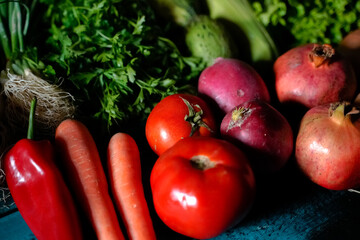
[(262, 132)]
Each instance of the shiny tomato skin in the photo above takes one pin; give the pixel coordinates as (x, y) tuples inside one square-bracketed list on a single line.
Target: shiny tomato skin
[(166, 123), (202, 203)]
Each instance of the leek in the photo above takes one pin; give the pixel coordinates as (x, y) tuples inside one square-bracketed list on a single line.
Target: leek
[(179, 11), (240, 13)]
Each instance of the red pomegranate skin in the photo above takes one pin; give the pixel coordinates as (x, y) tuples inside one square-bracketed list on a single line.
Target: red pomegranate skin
[(350, 49), (262, 132), (230, 82), (328, 150), (297, 80)]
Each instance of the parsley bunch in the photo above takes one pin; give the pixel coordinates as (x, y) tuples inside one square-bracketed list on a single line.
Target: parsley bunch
[(116, 54)]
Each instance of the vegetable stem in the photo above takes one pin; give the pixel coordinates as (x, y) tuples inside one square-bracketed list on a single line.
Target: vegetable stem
[(17, 15), (195, 117), (3, 9), (12, 26), (4, 40), (27, 18), (30, 133)]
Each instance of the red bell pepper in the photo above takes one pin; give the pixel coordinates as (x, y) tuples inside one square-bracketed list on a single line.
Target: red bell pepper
[(39, 190)]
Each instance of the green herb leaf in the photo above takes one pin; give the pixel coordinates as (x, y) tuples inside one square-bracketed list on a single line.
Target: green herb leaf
[(117, 54), (310, 21)]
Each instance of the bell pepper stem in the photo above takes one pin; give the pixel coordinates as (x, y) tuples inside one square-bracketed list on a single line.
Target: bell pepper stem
[(30, 132)]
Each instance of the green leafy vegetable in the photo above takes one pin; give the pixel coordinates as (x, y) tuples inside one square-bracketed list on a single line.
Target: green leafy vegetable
[(21, 75), (117, 55), (310, 21)]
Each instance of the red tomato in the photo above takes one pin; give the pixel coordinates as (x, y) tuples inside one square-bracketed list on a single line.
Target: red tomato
[(175, 117), (202, 186)]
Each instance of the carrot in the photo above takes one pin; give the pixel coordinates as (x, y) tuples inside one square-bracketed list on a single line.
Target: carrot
[(86, 174), (127, 188)]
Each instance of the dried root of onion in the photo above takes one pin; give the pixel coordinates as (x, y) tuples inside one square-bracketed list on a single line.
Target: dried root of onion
[(53, 104)]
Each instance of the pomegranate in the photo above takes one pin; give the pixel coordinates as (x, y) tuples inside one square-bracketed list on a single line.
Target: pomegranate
[(312, 75), (230, 82), (262, 132), (327, 146), (350, 49)]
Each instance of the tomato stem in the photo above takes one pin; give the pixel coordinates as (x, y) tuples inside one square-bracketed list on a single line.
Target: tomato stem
[(195, 117), (201, 162)]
